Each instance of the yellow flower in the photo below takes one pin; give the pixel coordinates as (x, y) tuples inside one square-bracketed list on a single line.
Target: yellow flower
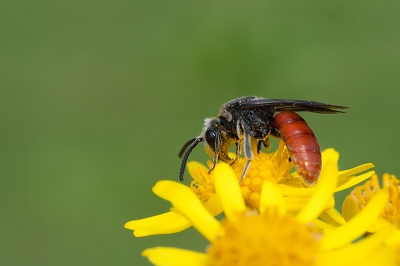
[(361, 195), (359, 198), (272, 235), (273, 167)]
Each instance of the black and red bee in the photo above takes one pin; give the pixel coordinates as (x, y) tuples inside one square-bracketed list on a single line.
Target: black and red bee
[(245, 119)]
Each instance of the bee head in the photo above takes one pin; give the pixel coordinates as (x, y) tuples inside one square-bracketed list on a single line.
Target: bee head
[(208, 135), (210, 131)]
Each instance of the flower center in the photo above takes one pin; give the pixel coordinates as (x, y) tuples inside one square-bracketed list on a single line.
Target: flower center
[(274, 167), (262, 240), (362, 195)]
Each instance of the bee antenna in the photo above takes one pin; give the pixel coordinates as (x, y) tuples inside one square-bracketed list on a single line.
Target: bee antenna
[(187, 144), (191, 143)]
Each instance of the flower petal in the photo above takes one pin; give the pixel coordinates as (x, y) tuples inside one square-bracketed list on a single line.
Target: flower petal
[(295, 205), (394, 239), (321, 225), (172, 227), (186, 202), (355, 170), (214, 205), (345, 183), (152, 221), (228, 190), (166, 223), (350, 208), (271, 198), (169, 222), (167, 256), (333, 217), (328, 155), (169, 190), (192, 167), (381, 256), (352, 254), (297, 192), (357, 226), (323, 190)]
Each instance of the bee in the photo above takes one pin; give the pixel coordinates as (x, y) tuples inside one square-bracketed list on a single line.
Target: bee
[(252, 119)]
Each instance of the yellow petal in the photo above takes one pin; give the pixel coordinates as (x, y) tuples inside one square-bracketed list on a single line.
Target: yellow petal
[(232, 155), (394, 238), (271, 198), (328, 155), (297, 192), (166, 223), (214, 205), (357, 226), (321, 225), (169, 222), (333, 217), (350, 181), (353, 254), (355, 170), (167, 256), (168, 189), (186, 202), (350, 208), (194, 166), (381, 256), (152, 221), (228, 190), (174, 226), (295, 205), (323, 191)]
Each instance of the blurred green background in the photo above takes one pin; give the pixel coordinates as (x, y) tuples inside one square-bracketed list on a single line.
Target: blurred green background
[(98, 97)]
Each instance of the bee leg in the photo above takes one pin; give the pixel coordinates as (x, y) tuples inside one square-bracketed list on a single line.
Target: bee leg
[(248, 153), (217, 151), (259, 146), (239, 133), (238, 151), (224, 157), (265, 142)]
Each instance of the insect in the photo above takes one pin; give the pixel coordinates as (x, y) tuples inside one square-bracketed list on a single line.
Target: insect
[(244, 120)]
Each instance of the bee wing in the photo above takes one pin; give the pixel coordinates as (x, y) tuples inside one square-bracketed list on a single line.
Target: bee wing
[(291, 105)]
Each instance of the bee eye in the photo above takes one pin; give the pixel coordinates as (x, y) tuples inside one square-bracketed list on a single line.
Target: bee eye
[(210, 138)]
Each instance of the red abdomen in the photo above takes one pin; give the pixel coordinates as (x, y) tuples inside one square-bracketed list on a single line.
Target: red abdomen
[(301, 144)]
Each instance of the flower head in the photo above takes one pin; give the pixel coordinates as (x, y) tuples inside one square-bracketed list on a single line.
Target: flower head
[(272, 167), (270, 235), (247, 241), (361, 195)]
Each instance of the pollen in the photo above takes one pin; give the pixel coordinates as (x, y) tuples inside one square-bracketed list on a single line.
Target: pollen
[(203, 184), (263, 240), (362, 195), (274, 167)]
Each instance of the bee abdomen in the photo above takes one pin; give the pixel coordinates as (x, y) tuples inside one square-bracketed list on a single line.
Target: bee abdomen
[(301, 144)]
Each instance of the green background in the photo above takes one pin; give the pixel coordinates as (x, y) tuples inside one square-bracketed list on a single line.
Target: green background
[(98, 97)]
